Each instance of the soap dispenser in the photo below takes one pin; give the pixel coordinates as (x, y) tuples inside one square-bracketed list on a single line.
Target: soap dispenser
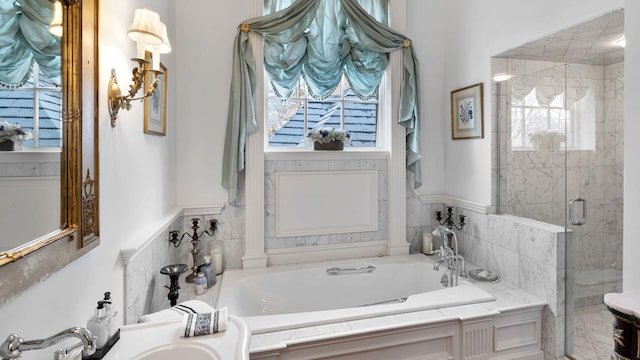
[(98, 325), (110, 313), (209, 271)]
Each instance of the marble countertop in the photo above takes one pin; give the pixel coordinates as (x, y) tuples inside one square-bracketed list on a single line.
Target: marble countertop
[(507, 298), (627, 303)]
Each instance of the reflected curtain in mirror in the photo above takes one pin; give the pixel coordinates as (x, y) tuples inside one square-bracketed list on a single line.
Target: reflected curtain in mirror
[(25, 39)]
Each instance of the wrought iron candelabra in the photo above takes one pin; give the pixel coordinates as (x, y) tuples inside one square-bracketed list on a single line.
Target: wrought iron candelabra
[(195, 240), (449, 222)]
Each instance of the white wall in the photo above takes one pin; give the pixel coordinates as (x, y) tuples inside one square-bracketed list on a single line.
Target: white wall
[(476, 31), (137, 190), (204, 37)]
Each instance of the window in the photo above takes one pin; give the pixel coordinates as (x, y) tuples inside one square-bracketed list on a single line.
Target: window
[(36, 106), (290, 119)]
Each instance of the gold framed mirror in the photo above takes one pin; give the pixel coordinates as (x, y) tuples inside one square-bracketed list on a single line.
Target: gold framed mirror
[(32, 262)]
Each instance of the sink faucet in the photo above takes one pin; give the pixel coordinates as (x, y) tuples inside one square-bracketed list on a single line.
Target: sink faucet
[(14, 345), (450, 255)]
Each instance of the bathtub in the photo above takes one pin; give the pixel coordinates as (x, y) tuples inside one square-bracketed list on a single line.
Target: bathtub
[(293, 296)]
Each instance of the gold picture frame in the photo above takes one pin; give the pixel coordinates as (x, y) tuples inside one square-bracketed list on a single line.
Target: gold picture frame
[(155, 106), (466, 113)]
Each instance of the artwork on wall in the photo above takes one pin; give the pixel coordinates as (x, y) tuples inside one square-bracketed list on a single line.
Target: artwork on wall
[(466, 113), (155, 106)]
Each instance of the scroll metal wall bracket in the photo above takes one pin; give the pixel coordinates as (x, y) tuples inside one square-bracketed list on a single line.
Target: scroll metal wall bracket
[(117, 101)]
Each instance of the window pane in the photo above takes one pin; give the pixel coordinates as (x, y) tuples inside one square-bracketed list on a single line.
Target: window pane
[(285, 122), (50, 114), (360, 121), (286, 119)]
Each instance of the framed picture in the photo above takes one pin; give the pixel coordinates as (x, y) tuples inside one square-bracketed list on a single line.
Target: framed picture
[(155, 106), (466, 113)]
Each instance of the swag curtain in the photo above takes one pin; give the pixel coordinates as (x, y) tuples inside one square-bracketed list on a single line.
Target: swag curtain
[(25, 38), (320, 39)]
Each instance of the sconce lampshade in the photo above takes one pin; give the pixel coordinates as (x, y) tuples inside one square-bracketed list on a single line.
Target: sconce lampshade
[(165, 47), (55, 27), (146, 27)]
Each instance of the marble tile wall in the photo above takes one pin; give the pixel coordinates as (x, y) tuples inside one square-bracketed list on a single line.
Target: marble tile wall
[(527, 254), (532, 183), (272, 167), (144, 285)]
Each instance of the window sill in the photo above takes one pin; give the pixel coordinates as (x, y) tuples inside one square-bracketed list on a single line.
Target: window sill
[(30, 156), (309, 154)]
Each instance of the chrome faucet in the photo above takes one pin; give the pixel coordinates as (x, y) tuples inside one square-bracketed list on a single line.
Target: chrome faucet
[(14, 345), (450, 255)]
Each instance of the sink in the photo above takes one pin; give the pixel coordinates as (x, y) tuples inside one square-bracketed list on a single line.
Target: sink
[(180, 351), (162, 340)]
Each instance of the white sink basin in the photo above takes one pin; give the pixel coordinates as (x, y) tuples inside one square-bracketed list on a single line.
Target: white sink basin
[(163, 341), (180, 351)]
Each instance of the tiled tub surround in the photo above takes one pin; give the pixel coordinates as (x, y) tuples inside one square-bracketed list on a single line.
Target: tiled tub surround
[(527, 254), (532, 182), (508, 328), (275, 167)]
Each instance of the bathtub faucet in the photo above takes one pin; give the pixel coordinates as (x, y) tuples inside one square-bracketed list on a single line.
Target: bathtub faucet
[(450, 255)]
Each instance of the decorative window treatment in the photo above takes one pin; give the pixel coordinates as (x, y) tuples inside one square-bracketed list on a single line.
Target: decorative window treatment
[(320, 39), (25, 38)]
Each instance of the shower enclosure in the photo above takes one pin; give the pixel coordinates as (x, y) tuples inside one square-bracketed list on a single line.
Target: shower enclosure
[(559, 138)]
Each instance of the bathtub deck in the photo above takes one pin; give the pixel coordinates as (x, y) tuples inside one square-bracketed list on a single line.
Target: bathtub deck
[(507, 298)]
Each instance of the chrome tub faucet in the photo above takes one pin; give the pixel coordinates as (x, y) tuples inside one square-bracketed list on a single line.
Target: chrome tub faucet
[(14, 345), (450, 256)]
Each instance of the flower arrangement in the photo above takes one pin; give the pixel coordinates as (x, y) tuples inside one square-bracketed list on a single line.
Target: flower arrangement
[(325, 135), (13, 132)]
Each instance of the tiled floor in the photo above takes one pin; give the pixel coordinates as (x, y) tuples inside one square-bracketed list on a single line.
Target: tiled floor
[(593, 329)]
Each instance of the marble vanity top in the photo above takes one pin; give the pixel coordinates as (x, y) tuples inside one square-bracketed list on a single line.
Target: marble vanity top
[(627, 303)]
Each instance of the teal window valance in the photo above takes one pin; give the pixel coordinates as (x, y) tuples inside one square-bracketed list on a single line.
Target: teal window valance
[(25, 39), (320, 39)]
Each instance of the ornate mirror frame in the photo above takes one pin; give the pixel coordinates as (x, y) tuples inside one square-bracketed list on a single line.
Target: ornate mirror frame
[(35, 261)]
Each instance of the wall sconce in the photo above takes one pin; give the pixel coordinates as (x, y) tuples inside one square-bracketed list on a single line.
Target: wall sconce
[(55, 27), (150, 34)]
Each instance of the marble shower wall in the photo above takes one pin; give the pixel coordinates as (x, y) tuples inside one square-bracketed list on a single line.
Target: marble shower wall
[(532, 183)]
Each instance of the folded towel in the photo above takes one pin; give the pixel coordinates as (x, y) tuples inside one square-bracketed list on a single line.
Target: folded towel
[(196, 324), (177, 312)]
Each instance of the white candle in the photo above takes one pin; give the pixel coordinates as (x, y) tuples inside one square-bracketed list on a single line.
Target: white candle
[(216, 256), (427, 243)]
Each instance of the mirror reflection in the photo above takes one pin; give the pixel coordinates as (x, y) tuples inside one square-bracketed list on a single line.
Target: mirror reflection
[(30, 122)]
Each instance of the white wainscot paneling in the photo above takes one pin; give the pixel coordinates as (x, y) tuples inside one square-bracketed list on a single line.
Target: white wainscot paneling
[(331, 202)]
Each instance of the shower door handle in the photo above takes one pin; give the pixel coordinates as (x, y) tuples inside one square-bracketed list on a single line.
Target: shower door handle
[(572, 219)]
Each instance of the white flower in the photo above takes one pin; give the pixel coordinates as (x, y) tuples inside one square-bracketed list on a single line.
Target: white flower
[(325, 135), (13, 132)]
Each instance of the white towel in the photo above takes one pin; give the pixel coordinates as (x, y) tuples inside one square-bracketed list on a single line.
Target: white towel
[(177, 312), (197, 324)]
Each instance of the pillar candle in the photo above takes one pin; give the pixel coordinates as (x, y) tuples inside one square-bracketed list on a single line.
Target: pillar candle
[(216, 260), (427, 243)]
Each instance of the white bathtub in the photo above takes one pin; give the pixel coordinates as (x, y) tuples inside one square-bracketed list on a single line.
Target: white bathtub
[(286, 297)]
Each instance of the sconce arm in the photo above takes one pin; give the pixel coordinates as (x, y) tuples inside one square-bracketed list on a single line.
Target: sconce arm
[(117, 101)]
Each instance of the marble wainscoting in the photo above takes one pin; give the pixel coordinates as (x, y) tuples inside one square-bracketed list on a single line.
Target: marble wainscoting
[(527, 254)]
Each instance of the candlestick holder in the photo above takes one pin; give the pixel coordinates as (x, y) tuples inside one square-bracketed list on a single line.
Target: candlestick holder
[(449, 222), (195, 241)]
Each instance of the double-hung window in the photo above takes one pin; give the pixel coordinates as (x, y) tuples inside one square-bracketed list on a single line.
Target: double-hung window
[(326, 91)]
